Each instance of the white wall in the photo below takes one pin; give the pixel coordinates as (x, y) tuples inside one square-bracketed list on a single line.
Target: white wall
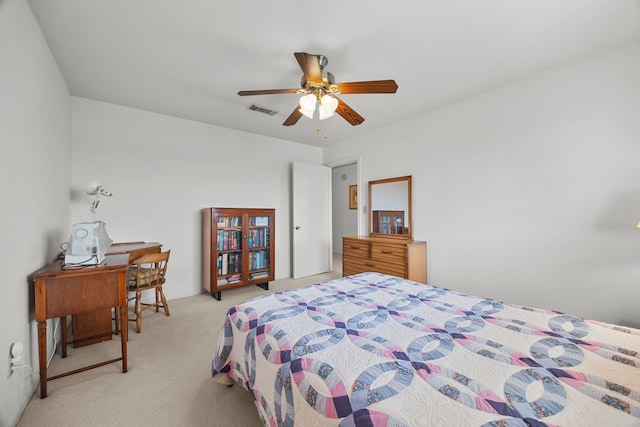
[(34, 174), (162, 170), (529, 193), (344, 220)]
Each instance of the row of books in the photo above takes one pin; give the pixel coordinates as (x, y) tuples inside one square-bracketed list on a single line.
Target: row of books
[(259, 220), (229, 240), (228, 279), (232, 239), (228, 221), (229, 263), (235, 221), (258, 275), (258, 260), (258, 237)]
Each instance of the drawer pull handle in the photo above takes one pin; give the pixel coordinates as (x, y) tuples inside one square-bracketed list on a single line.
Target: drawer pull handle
[(354, 247), (370, 265), (387, 252)]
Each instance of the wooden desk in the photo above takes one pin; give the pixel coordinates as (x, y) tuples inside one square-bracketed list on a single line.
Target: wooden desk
[(95, 326), (134, 249), (59, 293)]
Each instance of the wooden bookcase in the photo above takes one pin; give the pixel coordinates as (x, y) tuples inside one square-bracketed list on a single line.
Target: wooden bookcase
[(237, 248)]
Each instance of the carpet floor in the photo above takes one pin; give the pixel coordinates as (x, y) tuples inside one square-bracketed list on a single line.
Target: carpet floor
[(168, 382)]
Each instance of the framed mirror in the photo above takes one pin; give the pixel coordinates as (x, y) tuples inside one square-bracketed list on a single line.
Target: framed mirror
[(390, 207)]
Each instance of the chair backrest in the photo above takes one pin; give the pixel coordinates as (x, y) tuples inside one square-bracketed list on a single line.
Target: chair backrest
[(148, 271)]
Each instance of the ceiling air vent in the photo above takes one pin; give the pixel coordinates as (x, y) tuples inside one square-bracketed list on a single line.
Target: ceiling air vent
[(268, 111)]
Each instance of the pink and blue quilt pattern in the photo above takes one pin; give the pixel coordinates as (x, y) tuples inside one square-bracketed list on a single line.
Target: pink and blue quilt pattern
[(377, 350)]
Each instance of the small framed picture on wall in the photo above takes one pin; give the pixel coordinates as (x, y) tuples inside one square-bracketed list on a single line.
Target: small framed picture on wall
[(353, 197)]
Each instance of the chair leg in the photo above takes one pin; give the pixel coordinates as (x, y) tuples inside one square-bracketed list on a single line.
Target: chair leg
[(138, 312), (116, 310), (164, 301)]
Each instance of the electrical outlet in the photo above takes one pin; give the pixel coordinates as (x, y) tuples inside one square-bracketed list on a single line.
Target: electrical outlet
[(15, 357)]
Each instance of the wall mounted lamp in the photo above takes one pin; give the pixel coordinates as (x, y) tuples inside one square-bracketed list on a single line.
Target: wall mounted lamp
[(95, 188)]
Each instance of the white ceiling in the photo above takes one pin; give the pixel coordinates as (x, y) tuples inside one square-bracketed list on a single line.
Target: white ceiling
[(190, 58)]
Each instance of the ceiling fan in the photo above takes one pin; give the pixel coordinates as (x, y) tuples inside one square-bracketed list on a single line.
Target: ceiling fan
[(319, 89)]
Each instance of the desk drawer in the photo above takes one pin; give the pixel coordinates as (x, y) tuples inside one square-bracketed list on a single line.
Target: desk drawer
[(80, 294)]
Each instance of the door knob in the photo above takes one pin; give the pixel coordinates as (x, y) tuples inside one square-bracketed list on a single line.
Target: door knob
[(297, 227)]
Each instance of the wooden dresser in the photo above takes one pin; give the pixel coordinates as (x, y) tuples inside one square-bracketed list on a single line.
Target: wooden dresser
[(398, 257)]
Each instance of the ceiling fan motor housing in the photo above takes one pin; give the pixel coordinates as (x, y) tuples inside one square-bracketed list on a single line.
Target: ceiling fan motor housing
[(322, 61)]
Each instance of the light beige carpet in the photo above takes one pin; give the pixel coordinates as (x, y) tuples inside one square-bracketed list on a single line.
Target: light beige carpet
[(169, 378)]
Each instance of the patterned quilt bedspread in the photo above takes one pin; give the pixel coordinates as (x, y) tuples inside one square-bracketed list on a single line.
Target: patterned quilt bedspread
[(377, 350)]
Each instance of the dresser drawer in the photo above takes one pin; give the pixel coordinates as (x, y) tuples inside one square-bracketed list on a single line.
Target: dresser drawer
[(357, 264), (351, 260), (353, 270), (356, 247), (392, 269), (389, 253)]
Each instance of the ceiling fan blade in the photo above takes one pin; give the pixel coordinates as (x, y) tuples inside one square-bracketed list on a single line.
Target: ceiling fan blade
[(266, 92), (293, 117), (310, 66), (373, 86), (348, 113)]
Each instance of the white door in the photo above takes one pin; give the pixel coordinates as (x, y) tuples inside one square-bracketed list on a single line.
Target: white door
[(311, 219)]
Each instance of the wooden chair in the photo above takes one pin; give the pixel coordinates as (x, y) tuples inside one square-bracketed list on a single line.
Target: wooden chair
[(146, 273)]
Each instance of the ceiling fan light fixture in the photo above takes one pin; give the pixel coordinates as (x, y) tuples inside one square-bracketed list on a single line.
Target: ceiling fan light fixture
[(323, 115), (308, 105), (328, 105)]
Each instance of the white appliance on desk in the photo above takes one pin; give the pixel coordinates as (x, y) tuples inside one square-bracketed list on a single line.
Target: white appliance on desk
[(88, 244), (89, 241)]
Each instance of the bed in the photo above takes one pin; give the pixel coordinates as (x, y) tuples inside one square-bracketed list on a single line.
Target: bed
[(378, 350)]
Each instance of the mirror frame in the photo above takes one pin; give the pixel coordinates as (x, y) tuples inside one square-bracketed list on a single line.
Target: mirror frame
[(409, 235)]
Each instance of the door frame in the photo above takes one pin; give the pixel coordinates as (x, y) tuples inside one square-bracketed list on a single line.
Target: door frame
[(362, 209)]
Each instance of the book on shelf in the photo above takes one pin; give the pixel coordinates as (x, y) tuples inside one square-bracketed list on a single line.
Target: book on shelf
[(258, 260), (258, 237), (228, 221), (229, 240), (229, 263), (229, 279), (259, 220), (259, 275), (223, 263)]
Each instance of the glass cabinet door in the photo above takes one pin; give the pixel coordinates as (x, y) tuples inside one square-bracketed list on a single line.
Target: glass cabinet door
[(229, 249), (398, 224), (385, 224), (259, 242)]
